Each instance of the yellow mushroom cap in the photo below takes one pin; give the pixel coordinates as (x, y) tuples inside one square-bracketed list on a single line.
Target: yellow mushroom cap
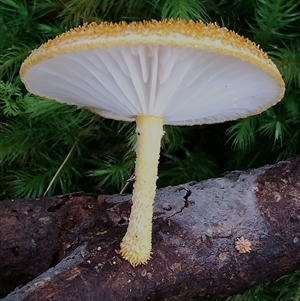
[(187, 72)]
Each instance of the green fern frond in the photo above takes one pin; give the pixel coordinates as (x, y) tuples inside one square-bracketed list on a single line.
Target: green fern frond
[(31, 183), (22, 31), (234, 14), (173, 138), (10, 99), (183, 9), (243, 133), (274, 19), (129, 129), (22, 136), (77, 12), (274, 126), (21, 141), (25, 17), (292, 106), (187, 166), (62, 116), (113, 171), (11, 60), (287, 59)]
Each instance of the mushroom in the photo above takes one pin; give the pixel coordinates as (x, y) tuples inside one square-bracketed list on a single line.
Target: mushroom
[(154, 72)]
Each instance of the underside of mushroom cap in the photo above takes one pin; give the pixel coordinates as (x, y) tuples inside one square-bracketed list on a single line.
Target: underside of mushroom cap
[(190, 73)]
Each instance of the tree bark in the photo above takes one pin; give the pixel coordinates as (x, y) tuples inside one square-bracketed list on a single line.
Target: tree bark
[(70, 243)]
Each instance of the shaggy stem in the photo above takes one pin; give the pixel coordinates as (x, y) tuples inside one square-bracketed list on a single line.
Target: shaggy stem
[(136, 244)]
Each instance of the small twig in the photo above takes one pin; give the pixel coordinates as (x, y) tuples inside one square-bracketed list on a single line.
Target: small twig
[(61, 166), (67, 157), (128, 182)]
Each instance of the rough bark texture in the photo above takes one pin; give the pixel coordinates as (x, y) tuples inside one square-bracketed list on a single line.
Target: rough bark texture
[(74, 239)]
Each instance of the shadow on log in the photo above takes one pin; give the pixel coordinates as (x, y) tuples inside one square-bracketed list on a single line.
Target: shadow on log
[(67, 246)]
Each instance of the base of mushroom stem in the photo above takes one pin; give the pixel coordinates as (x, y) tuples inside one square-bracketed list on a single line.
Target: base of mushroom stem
[(134, 258)]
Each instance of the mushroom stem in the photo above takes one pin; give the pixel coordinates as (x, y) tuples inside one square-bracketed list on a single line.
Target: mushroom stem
[(136, 244)]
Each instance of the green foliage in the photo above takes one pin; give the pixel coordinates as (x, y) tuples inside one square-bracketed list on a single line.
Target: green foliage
[(287, 59), (22, 29), (183, 9), (47, 146), (285, 288), (190, 165), (272, 135), (235, 14), (114, 169), (243, 133), (275, 21)]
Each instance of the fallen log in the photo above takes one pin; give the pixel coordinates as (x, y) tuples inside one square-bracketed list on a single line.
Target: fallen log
[(69, 244)]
